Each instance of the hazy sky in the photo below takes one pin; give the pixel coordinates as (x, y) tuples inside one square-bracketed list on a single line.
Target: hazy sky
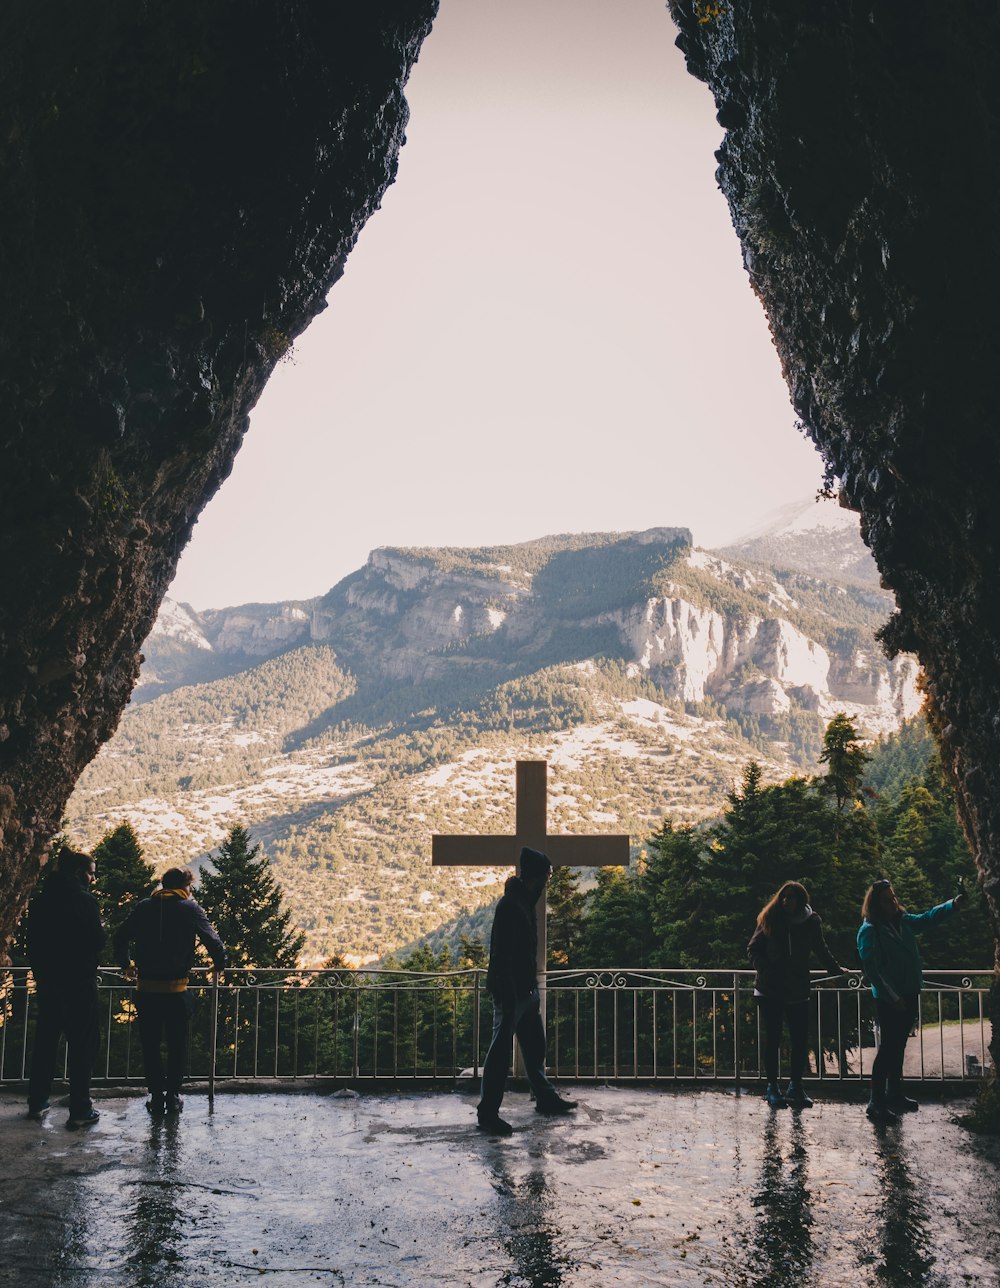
[(546, 328)]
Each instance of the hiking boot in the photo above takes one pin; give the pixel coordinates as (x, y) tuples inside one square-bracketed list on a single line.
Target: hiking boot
[(86, 1118), (37, 1112), (774, 1097), (173, 1103), (157, 1104), (899, 1103), (878, 1111), (795, 1095), (557, 1107), (494, 1125)]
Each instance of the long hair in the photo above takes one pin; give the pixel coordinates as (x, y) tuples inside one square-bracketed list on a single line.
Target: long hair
[(771, 912), (870, 907)]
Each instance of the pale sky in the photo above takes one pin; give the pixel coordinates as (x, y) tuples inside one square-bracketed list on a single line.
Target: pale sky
[(546, 328)]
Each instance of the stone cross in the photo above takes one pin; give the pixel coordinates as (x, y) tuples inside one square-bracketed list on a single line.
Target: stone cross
[(530, 829)]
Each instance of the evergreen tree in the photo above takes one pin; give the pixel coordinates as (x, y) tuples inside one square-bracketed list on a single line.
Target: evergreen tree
[(472, 953), (845, 760), (565, 919), (927, 857), (123, 878), (617, 930), (245, 904), (670, 886)]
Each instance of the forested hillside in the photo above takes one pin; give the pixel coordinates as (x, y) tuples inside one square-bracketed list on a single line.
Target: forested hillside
[(351, 728)]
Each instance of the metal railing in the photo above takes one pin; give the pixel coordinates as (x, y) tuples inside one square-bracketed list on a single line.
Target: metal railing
[(607, 1025)]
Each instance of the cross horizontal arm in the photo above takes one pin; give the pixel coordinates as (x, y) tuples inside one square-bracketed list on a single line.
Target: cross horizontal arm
[(588, 851), (474, 851)]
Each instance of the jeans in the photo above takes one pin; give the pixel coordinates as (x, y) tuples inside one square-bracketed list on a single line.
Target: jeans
[(163, 1014), (69, 1009), (774, 1012), (894, 1029), (523, 1021)]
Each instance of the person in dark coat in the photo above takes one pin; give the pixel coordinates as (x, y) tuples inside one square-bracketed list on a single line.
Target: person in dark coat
[(890, 956), (65, 938), (161, 930), (788, 934), (512, 981)]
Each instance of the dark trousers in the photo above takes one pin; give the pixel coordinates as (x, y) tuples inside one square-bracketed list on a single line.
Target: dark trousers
[(773, 1013), (163, 1014), (894, 1028), (69, 1010), (523, 1021)]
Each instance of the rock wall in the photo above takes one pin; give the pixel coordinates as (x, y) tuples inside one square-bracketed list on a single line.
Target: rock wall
[(862, 173), (181, 185), (412, 617)]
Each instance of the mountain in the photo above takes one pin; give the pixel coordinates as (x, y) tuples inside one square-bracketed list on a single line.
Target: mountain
[(344, 730), (814, 536)]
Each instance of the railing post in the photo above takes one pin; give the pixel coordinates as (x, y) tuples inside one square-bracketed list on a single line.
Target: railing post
[(357, 1031), (737, 1054), (213, 1029), (475, 1027)]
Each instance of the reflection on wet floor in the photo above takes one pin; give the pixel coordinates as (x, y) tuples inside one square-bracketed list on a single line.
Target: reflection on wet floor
[(782, 1251), (527, 1227), (155, 1224), (902, 1244), (639, 1187)]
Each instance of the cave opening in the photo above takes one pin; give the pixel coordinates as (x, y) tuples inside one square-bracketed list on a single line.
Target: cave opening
[(177, 216)]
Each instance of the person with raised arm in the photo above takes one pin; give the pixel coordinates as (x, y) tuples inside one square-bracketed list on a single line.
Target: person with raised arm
[(890, 957)]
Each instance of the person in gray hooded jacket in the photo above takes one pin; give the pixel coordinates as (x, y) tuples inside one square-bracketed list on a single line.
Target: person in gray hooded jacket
[(787, 936)]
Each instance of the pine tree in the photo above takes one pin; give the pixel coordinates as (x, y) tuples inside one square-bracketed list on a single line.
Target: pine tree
[(245, 904), (670, 886), (845, 760), (565, 918), (123, 878), (617, 931)]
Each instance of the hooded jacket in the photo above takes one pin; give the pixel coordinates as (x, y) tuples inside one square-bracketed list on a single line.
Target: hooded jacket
[(512, 973), (65, 933), (781, 959), (162, 931), (890, 955)]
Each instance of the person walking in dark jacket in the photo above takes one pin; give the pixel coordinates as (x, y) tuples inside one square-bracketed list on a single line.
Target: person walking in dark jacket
[(512, 981), (890, 956), (65, 938), (162, 930), (788, 934)]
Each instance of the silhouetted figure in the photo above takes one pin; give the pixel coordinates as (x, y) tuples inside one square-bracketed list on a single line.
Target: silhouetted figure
[(788, 933), (65, 938), (512, 981), (890, 956), (161, 931)]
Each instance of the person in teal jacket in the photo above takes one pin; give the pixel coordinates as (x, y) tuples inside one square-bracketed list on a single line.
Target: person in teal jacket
[(890, 956)]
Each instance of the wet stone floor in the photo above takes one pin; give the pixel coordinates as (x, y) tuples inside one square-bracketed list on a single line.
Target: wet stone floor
[(639, 1187)]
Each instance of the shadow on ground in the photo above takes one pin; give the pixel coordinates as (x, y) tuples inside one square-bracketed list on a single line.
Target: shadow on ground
[(640, 1187)]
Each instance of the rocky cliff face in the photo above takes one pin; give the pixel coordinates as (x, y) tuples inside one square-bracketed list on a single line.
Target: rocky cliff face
[(419, 616), (181, 185), (862, 175)]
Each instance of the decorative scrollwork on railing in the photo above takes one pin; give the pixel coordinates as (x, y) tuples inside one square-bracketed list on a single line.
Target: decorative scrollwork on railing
[(606, 979), (854, 981)]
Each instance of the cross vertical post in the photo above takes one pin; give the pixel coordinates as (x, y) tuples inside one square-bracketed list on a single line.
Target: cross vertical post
[(531, 829)]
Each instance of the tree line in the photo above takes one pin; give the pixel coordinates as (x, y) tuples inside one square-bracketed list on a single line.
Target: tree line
[(692, 896)]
